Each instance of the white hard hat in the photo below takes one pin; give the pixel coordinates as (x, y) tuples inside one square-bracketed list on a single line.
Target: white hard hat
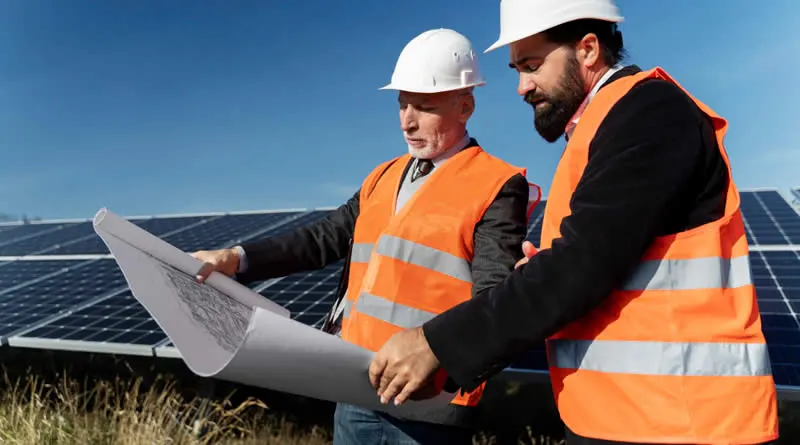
[(436, 60), (523, 18)]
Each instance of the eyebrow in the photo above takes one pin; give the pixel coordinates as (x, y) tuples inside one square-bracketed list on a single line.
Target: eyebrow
[(514, 64)]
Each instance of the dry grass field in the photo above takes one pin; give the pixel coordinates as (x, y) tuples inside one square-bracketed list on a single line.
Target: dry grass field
[(116, 412)]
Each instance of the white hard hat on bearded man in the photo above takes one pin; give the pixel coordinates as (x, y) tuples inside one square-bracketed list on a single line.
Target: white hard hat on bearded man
[(435, 61), (520, 19)]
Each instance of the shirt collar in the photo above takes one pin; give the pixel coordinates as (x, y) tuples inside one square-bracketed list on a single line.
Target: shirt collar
[(577, 116)]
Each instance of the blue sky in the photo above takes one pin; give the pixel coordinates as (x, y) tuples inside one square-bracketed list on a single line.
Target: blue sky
[(152, 107)]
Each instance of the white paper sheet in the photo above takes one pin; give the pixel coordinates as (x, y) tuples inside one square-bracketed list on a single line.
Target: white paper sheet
[(225, 330)]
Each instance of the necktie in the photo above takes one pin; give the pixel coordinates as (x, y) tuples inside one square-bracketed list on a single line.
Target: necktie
[(423, 167)]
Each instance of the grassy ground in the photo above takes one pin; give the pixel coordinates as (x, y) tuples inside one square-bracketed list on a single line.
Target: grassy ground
[(102, 402), (126, 413)]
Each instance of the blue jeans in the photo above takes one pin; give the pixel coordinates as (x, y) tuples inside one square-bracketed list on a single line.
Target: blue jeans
[(353, 425)]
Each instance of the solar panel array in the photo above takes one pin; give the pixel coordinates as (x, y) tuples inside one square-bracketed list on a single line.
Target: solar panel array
[(59, 288)]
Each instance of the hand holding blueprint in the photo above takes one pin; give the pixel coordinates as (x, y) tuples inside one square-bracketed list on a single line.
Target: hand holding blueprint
[(222, 329)]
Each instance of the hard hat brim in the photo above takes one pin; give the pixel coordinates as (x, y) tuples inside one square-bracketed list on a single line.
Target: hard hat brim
[(508, 39), (432, 90)]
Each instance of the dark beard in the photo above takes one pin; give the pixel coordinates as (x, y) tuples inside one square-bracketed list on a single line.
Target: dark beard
[(551, 120)]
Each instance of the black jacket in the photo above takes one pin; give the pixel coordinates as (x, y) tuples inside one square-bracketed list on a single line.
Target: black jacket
[(653, 169)]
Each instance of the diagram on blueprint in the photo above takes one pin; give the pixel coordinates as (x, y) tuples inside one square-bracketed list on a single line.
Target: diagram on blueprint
[(222, 317)]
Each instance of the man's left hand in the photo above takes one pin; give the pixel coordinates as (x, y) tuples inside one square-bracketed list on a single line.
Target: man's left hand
[(405, 368)]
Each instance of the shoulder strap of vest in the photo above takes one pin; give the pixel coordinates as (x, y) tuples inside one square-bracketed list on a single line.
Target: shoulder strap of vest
[(370, 185)]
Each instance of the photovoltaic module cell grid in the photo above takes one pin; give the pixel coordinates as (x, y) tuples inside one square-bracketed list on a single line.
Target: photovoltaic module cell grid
[(16, 232), (535, 223), (46, 242), (119, 319), (769, 219), (36, 302), (308, 296), (13, 273), (776, 276), (301, 221), (81, 239), (216, 232)]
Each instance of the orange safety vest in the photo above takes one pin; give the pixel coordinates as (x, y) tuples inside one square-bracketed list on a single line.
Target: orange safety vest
[(676, 354), (410, 266)]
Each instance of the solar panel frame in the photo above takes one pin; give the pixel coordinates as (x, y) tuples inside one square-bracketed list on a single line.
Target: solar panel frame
[(68, 323)]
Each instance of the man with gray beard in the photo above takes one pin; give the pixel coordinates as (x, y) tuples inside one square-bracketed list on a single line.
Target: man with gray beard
[(427, 230)]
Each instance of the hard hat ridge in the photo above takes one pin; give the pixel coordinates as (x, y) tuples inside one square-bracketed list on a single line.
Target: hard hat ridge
[(436, 60)]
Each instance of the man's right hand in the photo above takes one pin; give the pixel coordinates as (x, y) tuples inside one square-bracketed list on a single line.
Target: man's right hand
[(224, 261), (528, 250)]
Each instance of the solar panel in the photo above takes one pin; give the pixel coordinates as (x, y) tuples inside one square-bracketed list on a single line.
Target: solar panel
[(115, 324), (163, 225), (776, 275), (535, 223), (33, 303), (308, 296), (300, 221), (14, 273), (46, 241), (89, 308), (158, 226), (219, 232), (769, 219), (20, 232)]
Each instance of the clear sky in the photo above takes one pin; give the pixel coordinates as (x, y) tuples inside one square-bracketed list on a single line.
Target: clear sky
[(153, 107)]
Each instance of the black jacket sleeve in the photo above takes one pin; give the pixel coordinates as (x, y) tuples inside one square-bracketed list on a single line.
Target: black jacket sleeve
[(499, 235), (308, 248), (640, 159)]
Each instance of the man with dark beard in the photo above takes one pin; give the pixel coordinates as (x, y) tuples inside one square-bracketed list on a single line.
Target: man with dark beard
[(642, 287)]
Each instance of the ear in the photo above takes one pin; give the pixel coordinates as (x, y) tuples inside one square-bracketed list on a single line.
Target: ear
[(588, 50), (467, 108)]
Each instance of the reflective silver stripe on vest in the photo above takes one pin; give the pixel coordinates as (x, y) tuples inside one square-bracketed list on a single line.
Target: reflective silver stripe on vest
[(424, 256), (361, 252), (694, 273), (661, 358), (347, 306), (392, 312)]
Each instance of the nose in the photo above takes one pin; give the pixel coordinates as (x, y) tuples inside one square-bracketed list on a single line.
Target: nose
[(408, 120), (526, 84)]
